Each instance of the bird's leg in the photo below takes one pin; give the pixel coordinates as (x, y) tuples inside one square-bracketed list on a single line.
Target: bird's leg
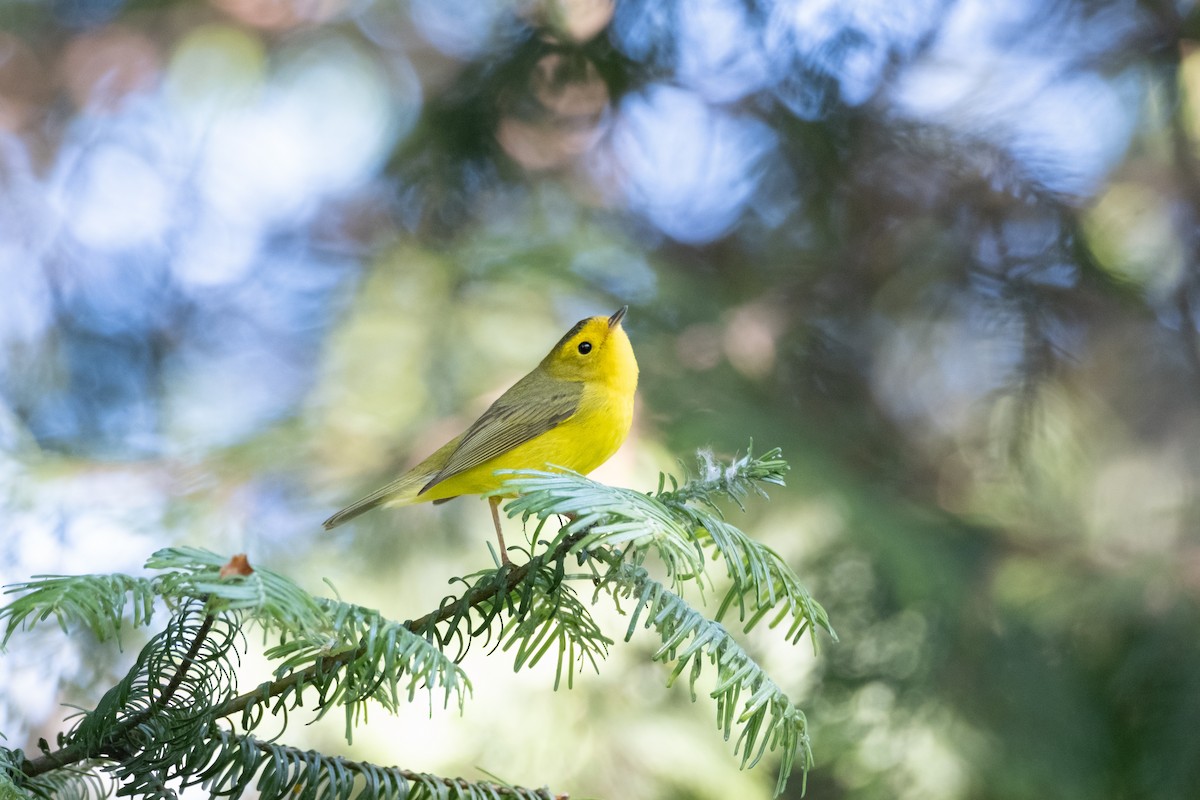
[(494, 502)]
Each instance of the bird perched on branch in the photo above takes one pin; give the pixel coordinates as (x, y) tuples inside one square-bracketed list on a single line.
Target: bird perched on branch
[(573, 410)]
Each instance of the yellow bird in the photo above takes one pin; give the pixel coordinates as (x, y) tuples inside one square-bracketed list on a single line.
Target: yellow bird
[(573, 410)]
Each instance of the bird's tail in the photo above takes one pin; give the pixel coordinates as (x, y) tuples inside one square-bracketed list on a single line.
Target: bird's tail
[(399, 492)]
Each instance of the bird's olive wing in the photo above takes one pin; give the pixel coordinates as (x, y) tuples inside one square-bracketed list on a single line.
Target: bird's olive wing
[(534, 405)]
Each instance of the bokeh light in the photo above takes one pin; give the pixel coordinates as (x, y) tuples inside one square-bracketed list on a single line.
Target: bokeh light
[(258, 255)]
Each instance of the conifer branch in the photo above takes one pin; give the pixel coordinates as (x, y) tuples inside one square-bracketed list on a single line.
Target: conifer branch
[(94, 738), (768, 718), (284, 771), (79, 783), (491, 588), (98, 602), (160, 722), (678, 524)]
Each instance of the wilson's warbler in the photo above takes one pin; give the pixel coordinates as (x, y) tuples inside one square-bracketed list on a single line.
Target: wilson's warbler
[(573, 410)]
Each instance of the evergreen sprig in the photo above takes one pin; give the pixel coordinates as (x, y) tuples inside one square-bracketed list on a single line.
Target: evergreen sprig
[(768, 720), (232, 764), (99, 602), (737, 480), (262, 596), (556, 618), (388, 664), (527, 609), (622, 527), (677, 525), (96, 602), (155, 725), (160, 725), (164, 704), (81, 782)]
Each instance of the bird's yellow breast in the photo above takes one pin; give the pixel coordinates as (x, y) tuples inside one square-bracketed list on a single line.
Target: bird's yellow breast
[(581, 443)]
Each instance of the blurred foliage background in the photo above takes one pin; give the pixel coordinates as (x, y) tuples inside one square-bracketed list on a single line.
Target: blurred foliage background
[(256, 255)]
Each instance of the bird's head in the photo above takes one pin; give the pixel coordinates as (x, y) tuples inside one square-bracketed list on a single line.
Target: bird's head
[(596, 349)]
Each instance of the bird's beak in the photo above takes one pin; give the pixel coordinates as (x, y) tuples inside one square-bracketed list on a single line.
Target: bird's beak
[(616, 318)]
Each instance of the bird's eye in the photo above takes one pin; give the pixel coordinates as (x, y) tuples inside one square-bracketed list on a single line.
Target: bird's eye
[(585, 348)]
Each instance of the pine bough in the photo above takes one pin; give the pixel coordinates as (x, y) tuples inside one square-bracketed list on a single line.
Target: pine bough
[(178, 719)]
